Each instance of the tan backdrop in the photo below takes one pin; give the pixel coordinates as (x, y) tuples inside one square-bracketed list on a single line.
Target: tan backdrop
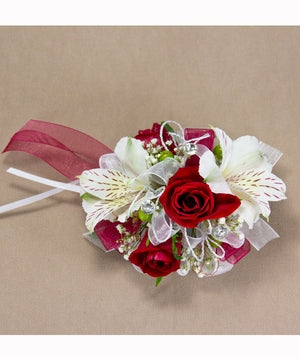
[(109, 82)]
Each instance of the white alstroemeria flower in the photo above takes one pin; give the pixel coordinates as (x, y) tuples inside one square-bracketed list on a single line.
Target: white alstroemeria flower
[(123, 182), (111, 189), (243, 171)]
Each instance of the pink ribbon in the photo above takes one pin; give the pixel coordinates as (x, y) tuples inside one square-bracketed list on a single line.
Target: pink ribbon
[(68, 151)]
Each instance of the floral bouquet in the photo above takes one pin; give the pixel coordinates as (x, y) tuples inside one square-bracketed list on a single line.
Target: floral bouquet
[(169, 199)]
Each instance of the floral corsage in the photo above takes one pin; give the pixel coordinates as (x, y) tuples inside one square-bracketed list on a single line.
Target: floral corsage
[(169, 199)]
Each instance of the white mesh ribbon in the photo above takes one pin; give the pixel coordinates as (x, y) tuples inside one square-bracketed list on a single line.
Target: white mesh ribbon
[(161, 228), (271, 153), (234, 239), (223, 267), (161, 172), (260, 235), (110, 161)]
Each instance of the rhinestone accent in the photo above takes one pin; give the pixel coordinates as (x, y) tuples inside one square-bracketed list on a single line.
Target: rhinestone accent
[(220, 231), (190, 148), (148, 207)]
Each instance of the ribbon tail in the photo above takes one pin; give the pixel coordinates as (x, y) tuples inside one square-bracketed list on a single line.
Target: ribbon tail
[(29, 200)]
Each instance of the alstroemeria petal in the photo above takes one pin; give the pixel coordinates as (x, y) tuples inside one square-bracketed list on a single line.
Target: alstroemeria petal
[(96, 212), (99, 210), (245, 155), (107, 184), (132, 155), (134, 204), (209, 170), (259, 184), (249, 209)]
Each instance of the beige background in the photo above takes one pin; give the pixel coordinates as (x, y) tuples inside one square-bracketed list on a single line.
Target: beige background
[(109, 82)]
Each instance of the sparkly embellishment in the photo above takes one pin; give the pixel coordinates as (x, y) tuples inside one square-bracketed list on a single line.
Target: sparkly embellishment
[(190, 148), (148, 207), (175, 226), (220, 231)]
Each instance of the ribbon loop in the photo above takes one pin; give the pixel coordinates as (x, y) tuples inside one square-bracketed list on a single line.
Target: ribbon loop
[(161, 228), (68, 151)]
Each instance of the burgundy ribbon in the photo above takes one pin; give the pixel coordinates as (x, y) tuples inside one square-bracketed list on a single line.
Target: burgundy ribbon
[(234, 255), (190, 133), (67, 150), (108, 234)]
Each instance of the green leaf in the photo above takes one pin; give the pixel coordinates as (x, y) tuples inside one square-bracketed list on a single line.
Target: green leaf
[(174, 247), (144, 217), (168, 127), (147, 242), (89, 197), (218, 154), (214, 245), (158, 280)]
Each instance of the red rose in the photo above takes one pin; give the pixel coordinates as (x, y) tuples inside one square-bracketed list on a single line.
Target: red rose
[(157, 261), (187, 200)]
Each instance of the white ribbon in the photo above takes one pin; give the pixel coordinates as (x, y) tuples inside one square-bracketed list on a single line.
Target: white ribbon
[(178, 138), (161, 228), (272, 154), (161, 172), (59, 187), (234, 239), (29, 200), (65, 186), (223, 267), (260, 234), (110, 161)]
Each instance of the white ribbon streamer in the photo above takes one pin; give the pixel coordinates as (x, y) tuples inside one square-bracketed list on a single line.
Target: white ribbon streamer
[(60, 187), (29, 200), (65, 186)]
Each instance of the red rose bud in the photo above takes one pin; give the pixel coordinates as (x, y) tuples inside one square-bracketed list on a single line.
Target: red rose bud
[(187, 200), (147, 135), (157, 261), (108, 234)]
